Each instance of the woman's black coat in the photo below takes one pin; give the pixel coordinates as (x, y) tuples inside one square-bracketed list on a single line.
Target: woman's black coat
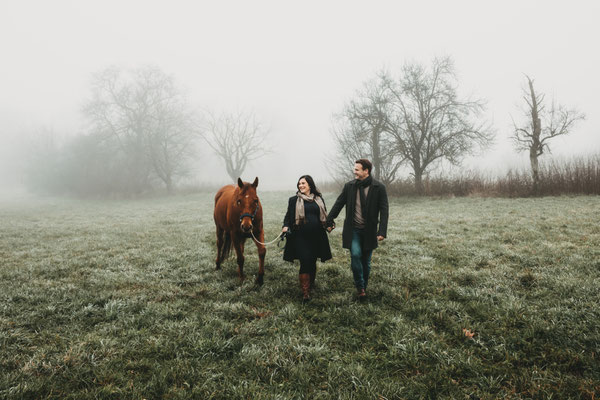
[(289, 253), (376, 218)]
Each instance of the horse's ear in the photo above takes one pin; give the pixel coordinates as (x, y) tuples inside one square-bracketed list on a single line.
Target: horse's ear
[(255, 183), (240, 183)]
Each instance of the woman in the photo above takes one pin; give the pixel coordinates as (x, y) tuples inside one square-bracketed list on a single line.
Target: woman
[(307, 239)]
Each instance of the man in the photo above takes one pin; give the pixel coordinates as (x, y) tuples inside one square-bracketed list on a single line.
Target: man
[(366, 205)]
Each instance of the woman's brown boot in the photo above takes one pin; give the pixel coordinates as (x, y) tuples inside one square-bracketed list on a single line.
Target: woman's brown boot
[(305, 285)]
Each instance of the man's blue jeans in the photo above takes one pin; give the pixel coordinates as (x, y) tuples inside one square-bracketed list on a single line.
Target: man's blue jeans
[(360, 260)]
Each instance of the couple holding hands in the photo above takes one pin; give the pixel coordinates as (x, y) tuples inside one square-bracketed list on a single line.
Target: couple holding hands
[(307, 221)]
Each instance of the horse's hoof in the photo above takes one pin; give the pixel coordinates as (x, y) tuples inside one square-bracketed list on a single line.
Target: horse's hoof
[(259, 279), (218, 267)]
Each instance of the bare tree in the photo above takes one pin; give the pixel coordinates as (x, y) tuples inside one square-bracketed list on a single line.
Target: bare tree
[(543, 125), (170, 139), (237, 138), (428, 120), (145, 118), (360, 131)]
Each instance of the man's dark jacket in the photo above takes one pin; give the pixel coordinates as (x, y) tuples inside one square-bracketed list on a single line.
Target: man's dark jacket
[(377, 213)]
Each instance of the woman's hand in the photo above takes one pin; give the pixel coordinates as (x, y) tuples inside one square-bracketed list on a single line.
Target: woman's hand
[(284, 229)]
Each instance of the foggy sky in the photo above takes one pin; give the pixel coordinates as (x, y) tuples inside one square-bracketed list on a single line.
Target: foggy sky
[(297, 63)]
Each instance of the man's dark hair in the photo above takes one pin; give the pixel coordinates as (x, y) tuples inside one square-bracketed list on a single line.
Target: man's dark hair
[(311, 184), (366, 164)]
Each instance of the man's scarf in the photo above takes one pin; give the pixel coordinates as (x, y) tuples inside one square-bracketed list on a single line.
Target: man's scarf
[(300, 215), (360, 186)]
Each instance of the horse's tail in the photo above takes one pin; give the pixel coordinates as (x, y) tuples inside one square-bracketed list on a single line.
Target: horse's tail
[(226, 246)]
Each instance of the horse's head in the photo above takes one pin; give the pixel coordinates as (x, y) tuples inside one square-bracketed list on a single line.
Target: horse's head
[(247, 203)]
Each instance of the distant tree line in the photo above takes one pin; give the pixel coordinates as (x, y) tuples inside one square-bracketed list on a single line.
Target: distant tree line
[(141, 134), (417, 120)]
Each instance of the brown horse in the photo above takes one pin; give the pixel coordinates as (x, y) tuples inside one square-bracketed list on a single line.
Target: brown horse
[(238, 214)]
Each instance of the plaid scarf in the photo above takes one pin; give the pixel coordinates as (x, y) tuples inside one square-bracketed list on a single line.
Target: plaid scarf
[(300, 216)]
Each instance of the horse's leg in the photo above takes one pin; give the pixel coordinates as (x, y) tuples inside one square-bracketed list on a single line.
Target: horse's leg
[(262, 251), (220, 243), (238, 245)]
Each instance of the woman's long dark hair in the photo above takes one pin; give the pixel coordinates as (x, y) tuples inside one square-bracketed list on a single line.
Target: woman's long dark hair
[(311, 184)]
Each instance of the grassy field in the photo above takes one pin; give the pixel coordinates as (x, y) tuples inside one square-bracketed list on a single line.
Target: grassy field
[(469, 298)]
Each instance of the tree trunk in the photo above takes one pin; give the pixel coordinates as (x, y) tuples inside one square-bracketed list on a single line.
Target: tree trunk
[(419, 182), (535, 149), (376, 153), (169, 185), (535, 171)]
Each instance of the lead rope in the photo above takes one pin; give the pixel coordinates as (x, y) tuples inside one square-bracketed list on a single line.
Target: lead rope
[(265, 244)]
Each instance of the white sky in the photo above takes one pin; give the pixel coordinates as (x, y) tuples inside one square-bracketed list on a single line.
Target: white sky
[(296, 63)]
